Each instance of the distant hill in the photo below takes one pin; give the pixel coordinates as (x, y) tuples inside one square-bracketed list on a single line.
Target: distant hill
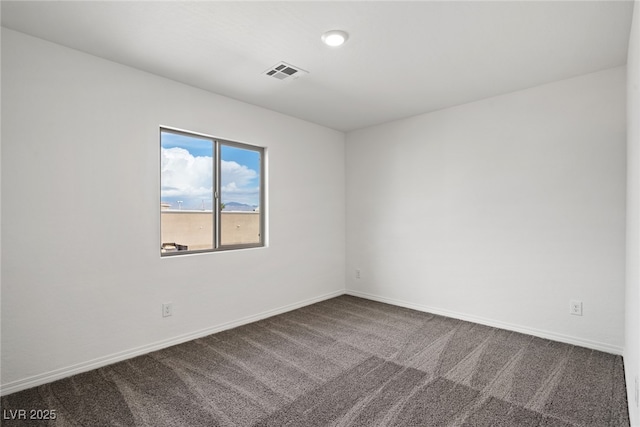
[(238, 207)]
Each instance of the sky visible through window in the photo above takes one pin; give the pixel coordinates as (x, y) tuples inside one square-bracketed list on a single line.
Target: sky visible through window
[(187, 174)]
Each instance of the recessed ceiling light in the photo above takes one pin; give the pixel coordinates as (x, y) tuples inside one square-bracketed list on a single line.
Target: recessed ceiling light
[(335, 38)]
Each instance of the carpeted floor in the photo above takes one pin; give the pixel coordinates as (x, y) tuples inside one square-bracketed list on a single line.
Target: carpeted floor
[(345, 362)]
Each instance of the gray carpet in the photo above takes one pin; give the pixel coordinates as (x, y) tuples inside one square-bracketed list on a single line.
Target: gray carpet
[(345, 362)]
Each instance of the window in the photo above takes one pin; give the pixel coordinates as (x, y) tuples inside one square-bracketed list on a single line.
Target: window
[(211, 194)]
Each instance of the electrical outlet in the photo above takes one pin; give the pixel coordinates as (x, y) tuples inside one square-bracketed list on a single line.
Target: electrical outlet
[(167, 309), (575, 307), (357, 273)]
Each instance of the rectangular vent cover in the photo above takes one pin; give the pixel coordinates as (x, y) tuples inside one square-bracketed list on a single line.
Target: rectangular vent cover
[(284, 71)]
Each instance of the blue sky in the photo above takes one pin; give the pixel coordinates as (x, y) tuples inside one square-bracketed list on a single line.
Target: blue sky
[(198, 147), (187, 173)]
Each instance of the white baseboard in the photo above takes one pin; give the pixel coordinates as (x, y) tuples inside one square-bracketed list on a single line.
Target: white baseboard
[(608, 348), (57, 374), (78, 368)]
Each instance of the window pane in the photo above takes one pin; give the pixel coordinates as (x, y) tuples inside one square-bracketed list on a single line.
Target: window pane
[(186, 211), (240, 221)]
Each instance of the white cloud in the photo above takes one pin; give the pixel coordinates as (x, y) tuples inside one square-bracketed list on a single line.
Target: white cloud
[(189, 178), (237, 174), (237, 183), (184, 175)]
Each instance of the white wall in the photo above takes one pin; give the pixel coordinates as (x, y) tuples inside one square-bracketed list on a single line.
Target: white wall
[(499, 211), (82, 277), (632, 324)]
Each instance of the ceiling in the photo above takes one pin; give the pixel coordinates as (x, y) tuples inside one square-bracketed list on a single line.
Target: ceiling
[(401, 59)]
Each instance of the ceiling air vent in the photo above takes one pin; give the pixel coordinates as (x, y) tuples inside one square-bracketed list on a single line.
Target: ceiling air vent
[(284, 71)]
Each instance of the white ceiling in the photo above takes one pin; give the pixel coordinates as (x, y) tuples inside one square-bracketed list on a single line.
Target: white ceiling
[(402, 58)]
